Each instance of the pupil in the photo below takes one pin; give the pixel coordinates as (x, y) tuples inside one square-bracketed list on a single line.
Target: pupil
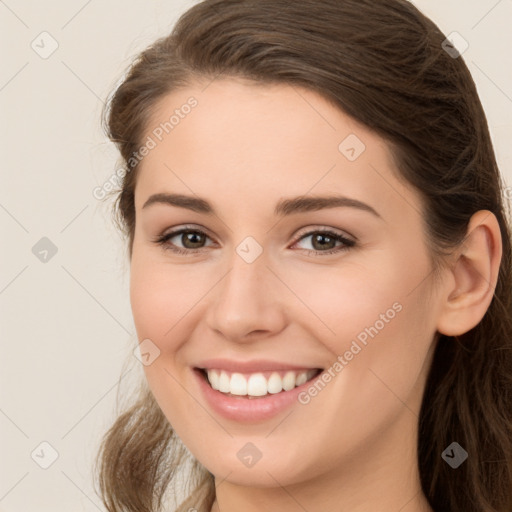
[(189, 237), (319, 236)]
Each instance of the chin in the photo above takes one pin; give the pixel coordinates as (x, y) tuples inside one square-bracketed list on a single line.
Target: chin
[(264, 474)]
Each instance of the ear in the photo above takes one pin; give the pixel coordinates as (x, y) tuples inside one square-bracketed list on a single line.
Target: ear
[(472, 277)]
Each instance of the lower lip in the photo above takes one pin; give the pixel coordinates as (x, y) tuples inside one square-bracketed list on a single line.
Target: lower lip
[(249, 409)]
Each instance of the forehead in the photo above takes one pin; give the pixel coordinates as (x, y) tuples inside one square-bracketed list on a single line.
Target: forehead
[(247, 143)]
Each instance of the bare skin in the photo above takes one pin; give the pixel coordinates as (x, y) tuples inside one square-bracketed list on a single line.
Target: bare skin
[(243, 148)]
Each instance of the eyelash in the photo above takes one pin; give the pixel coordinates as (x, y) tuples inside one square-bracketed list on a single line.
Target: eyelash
[(163, 240)]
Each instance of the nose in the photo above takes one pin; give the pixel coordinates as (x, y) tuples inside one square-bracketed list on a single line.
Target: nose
[(247, 303)]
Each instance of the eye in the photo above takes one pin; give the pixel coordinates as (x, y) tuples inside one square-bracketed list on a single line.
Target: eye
[(324, 242), (193, 239), (190, 238)]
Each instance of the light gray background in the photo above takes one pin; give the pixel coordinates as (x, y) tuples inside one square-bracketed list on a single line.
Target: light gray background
[(66, 326)]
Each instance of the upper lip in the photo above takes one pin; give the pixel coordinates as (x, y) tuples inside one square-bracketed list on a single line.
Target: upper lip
[(256, 365)]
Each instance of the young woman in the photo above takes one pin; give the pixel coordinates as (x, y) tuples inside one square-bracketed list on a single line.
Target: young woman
[(320, 267)]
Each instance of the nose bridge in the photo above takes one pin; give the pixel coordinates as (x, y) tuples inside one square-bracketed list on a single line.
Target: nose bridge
[(244, 301)]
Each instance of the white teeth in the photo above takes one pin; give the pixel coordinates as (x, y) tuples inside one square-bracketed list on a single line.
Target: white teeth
[(213, 377), (238, 384), (275, 383), (257, 384), (223, 381), (301, 378)]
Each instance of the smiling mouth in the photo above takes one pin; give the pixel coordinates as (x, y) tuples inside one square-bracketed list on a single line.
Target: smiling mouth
[(257, 384)]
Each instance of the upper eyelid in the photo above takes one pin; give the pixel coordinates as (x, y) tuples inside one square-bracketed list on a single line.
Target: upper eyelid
[(320, 228)]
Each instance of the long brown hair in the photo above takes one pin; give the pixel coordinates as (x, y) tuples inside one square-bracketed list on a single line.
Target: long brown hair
[(383, 63)]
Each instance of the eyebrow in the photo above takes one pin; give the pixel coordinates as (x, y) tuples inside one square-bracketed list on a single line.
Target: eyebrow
[(283, 207)]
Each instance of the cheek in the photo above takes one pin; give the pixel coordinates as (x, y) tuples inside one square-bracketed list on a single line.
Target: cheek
[(160, 295), (381, 292), (378, 325), (378, 318)]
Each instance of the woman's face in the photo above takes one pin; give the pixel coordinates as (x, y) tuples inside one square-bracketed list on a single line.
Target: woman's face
[(258, 289)]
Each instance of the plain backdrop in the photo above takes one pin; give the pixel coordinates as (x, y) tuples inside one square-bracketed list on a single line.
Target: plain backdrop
[(65, 323)]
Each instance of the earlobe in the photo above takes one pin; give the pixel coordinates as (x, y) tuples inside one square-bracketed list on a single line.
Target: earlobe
[(474, 274)]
